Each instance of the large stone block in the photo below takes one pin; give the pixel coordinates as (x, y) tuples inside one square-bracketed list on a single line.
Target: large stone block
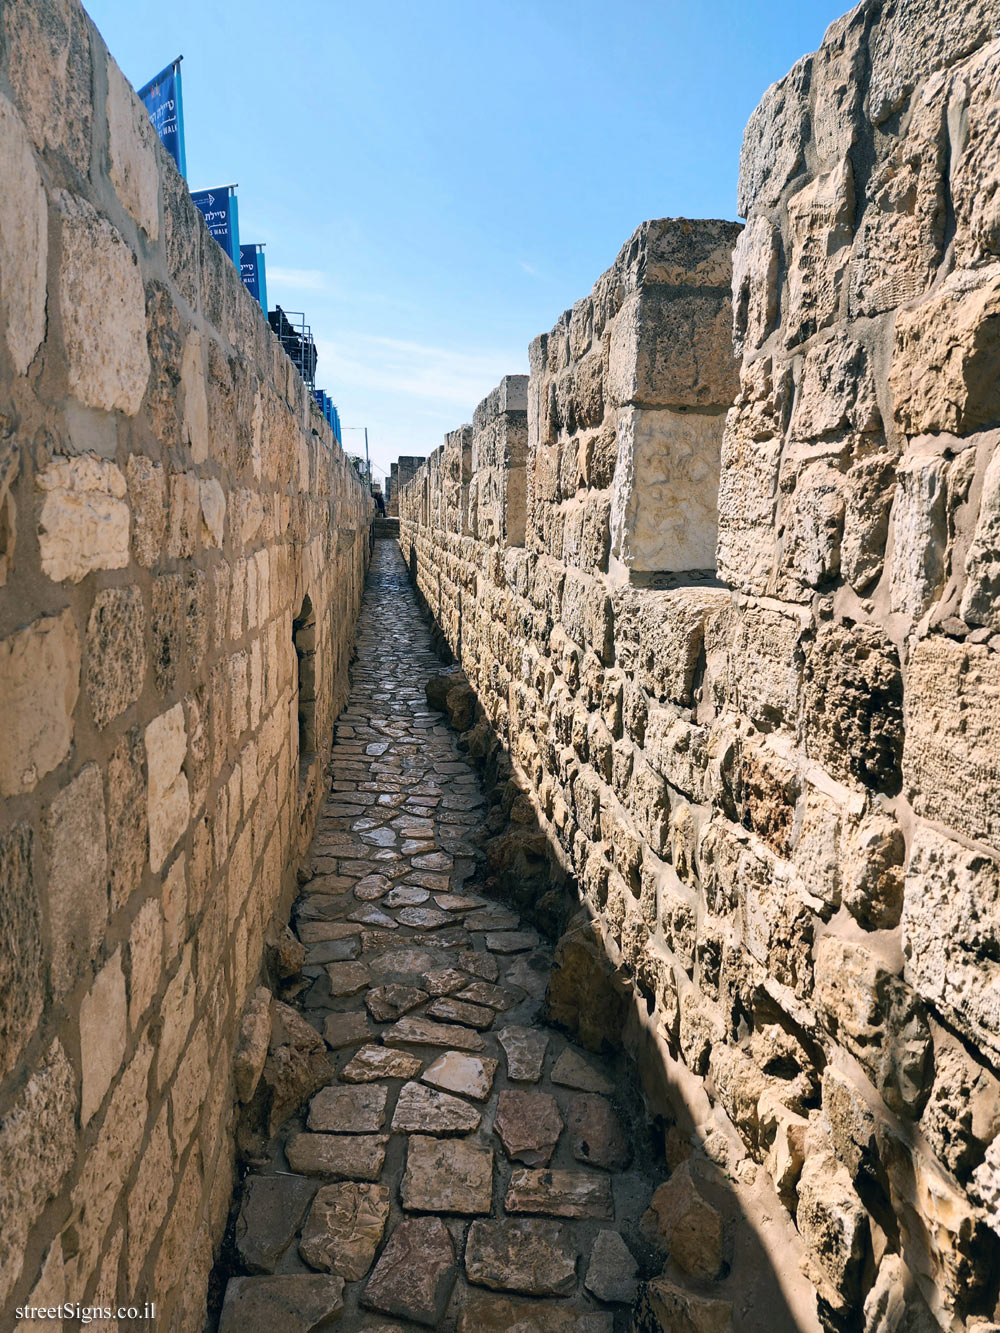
[(103, 1033), (21, 976), (116, 652), (24, 241), (103, 308), (952, 712), (981, 598), (168, 797), (774, 141), (853, 704), (951, 932), (947, 359), (50, 70), (134, 169), (127, 818), (84, 519), (74, 837), (664, 510), (673, 349), (37, 1142), (39, 684)]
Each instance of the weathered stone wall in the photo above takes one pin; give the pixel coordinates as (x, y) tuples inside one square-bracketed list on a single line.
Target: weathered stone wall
[(401, 473), (173, 511), (778, 793)]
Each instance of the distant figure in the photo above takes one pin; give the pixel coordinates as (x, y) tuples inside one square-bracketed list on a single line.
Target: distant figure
[(379, 503)]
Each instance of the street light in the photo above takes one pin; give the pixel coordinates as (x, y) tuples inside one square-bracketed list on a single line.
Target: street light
[(368, 466)]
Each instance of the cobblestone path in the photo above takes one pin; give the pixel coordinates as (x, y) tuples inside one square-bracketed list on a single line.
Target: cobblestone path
[(466, 1168)]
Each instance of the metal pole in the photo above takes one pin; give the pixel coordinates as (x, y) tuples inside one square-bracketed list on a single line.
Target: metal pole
[(368, 466)]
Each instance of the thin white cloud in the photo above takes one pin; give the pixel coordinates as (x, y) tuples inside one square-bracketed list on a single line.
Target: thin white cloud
[(530, 269), (303, 279), (418, 370)]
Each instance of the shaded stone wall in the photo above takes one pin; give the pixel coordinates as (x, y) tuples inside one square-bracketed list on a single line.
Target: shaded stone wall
[(182, 550), (776, 789), (401, 473)]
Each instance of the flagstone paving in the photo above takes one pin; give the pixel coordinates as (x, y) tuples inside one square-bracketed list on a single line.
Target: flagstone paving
[(465, 1156)]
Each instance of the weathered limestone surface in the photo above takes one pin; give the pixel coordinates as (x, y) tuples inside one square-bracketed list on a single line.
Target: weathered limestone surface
[(169, 502), (776, 794)]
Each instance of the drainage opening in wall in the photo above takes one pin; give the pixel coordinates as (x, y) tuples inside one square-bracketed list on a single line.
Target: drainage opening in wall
[(304, 639)]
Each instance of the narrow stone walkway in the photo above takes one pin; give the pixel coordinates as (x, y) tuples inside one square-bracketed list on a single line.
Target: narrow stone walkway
[(466, 1169)]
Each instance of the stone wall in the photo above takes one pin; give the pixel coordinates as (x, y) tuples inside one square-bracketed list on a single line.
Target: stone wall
[(182, 550), (772, 776)]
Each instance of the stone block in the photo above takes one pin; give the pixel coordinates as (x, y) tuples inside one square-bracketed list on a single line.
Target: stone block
[(84, 520), (820, 230), (103, 307), (415, 1272), (103, 1034), (681, 1223), (37, 1147), (21, 971), (39, 683), (51, 75), (981, 598), (951, 931), (116, 652), (946, 360), (853, 705), (134, 170), (145, 960), (296, 1303), (664, 509), (952, 716), (127, 816), (24, 241), (148, 498), (774, 140), (673, 349), (74, 838), (168, 800)]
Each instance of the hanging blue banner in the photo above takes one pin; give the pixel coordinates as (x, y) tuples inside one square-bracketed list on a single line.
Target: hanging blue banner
[(165, 105), (218, 208), (253, 274)]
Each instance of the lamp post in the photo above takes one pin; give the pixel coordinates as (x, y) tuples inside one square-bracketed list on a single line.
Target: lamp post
[(368, 466)]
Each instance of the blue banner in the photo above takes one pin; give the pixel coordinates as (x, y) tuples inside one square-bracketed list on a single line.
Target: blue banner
[(253, 274), (218, 208), (165, 105)]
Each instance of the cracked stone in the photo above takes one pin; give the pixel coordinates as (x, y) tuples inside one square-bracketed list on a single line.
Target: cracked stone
[(510, 941), (371, 887), (337, 1110), (456, 902), (413, 1031), (470, 1075), (344, 1228), (403, 962), (423, 918), (458, 1011), (386, 1003), (525, 1050), (317, 932), (415, 1273), (432, 861), (343, 1156), (297, 1303), (572, 1071), (596, 1133), (679, 1221), (347, 978), (406, 896), (560, 1194), (479, 964), (270, 1214), (373, 1062), (481, 992), (492, 918), (345, 1030), (333, 951), (425, 1110), (611, 1273), (533, 1257), (371, 916), (447, 1176), (529, 1125), (444, 980)]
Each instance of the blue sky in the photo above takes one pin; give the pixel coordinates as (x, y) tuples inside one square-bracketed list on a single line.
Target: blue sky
[(437, 182)]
